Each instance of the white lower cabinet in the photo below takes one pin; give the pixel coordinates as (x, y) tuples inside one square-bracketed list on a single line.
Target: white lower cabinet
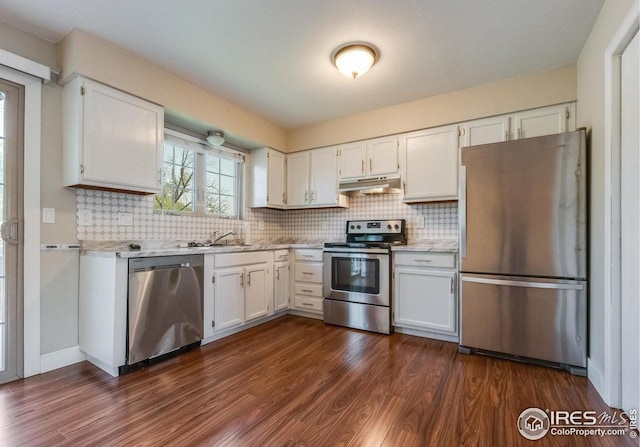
[(425, 292), (307, 280), (281, 286), (102, 311), (228, 298), (242, 290), (281, 280), (256, 298)]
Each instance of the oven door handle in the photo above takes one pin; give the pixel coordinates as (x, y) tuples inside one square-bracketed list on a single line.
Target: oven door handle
[(366, 251)]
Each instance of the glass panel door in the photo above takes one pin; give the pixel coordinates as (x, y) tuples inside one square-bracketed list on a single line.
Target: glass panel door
[(11, 110)]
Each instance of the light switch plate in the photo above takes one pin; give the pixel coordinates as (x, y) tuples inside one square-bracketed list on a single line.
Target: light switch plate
[(48, 215), (420, 222), (325, 225), (85, 217), (125, 219), (261, 225)]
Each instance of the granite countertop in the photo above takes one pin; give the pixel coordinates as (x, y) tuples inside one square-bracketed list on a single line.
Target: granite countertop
[(435, 245), (169, 248)]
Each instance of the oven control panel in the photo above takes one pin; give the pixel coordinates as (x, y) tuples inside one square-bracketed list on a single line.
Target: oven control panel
[(375, 226)]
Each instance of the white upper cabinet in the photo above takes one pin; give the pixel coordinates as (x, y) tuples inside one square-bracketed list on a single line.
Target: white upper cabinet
[(324, 177), (429, 160), (268, 179), (352, 160), (526, 124), (371, 158), (298, 179), (544, 121), (485, 131), (383, 156), (112, 140), (312, 179)]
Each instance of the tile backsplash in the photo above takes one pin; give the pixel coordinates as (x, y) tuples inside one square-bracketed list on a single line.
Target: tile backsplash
[(440, 219)]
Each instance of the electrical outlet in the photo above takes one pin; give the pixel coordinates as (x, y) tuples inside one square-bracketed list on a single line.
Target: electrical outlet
[(325, 225), (420, 220), (261, 225), (85, 217), (125, 219)]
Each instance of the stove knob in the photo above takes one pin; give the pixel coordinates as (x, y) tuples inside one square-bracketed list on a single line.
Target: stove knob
[(352, 227), (396, 226), (389, 226), (358, 227)]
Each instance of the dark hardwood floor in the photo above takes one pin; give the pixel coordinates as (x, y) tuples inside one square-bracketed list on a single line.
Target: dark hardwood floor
[(297, 382)]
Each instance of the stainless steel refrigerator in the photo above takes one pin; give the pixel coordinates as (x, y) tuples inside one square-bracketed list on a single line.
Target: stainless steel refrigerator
[(523, 249)]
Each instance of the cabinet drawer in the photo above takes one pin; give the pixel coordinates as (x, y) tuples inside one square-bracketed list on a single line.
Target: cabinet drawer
[(308, 303), (424, 259), (308, 289), (280, 255), (308, 272), (309, 255)]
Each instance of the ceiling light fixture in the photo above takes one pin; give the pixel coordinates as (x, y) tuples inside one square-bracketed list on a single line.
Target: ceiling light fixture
[(215, 138), (354, 60)]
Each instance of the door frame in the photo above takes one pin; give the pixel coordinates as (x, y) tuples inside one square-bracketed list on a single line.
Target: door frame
[(29, 312), (610, 380)]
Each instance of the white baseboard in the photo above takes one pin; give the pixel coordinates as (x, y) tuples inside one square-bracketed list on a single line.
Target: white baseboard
[(302, 313), (244, 327), (61, 358), (426, 334), (596, 377)]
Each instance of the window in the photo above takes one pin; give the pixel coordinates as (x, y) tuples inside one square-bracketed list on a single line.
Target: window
[(198, 179), (220, 194), (177, 180)]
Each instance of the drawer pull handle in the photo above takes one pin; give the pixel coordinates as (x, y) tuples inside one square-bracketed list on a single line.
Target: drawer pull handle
[(307, 256), (307, 290), (422, 260), (307, 304), (307, 273)]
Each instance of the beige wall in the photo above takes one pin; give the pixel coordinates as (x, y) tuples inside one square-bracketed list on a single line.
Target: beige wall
[(27, 45), (510, 95), (84, 53), (58, 269), (591, 107)]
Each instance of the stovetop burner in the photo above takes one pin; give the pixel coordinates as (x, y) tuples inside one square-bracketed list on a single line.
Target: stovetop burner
[(373, 234)]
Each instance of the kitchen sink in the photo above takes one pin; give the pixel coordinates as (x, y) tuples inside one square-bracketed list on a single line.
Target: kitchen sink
[(217, 245)]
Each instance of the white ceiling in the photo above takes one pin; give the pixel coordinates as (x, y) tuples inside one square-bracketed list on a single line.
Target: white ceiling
[(273, 57)]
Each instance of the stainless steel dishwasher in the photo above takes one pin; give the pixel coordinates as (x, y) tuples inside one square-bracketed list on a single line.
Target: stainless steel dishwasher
[(165, 305)]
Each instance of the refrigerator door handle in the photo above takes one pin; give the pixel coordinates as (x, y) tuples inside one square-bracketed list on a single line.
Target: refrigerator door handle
[(536, 285), (462, 211)]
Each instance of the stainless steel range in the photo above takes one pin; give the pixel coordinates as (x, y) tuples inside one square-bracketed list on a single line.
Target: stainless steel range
[(357, 275)]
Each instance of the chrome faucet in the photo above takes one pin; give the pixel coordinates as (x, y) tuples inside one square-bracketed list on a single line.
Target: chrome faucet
[(216, 238)]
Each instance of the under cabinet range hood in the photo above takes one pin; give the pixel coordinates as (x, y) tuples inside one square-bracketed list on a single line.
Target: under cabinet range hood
[(371, 185)]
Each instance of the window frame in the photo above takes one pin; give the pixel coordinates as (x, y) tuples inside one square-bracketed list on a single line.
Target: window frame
[(201, 150)]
